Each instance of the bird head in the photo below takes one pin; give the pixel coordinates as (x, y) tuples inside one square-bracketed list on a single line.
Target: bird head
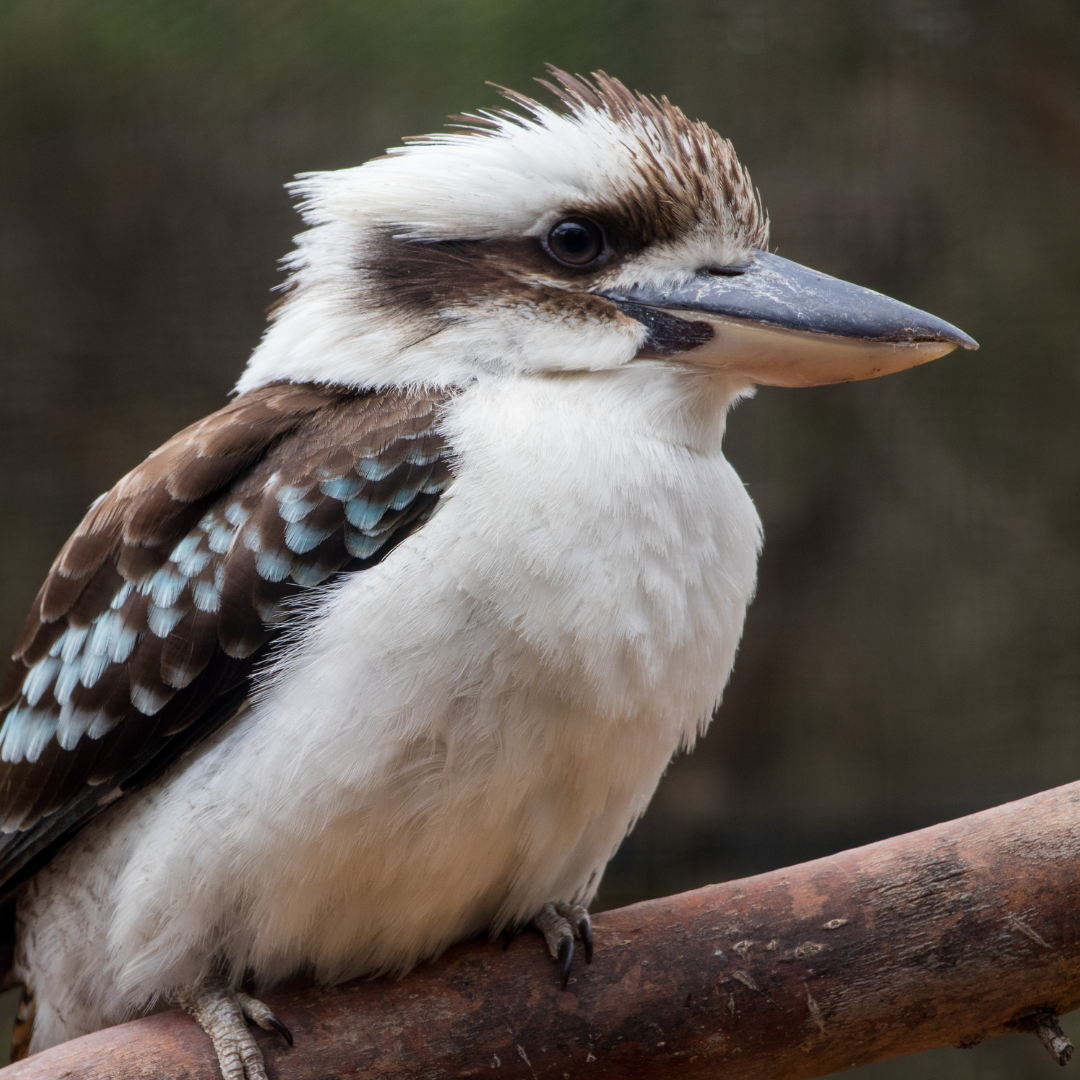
[(587, 237)]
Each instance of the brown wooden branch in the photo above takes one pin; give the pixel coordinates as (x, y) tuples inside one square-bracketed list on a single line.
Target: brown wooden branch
[(941, 937)]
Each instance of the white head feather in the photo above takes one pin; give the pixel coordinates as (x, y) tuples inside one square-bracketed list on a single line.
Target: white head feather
[(673, 187)]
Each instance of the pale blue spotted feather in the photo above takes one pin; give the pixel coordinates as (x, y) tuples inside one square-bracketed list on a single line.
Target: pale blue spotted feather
[(194, 578)]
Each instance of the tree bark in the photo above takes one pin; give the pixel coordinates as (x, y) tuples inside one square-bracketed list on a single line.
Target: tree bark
[(942, 937)]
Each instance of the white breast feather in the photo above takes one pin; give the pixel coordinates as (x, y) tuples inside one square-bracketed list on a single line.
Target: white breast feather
[(462, 733)]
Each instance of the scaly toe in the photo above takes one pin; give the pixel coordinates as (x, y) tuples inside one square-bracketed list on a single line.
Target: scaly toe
[(259, 1013), (559, 936), (222, 1016), (578, 917)]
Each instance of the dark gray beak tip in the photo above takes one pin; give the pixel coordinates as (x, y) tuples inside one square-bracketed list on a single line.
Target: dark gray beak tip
[(931, 328)]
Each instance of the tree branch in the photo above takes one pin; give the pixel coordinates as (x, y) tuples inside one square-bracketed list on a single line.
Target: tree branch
[(945, 936)]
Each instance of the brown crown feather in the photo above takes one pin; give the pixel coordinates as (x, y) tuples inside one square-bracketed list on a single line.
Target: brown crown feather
[(690, 175)]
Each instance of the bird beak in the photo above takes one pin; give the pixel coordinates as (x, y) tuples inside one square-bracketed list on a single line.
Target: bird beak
[(777, 323)]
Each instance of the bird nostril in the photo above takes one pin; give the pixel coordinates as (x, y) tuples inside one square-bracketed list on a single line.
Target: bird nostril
[(725, 271)]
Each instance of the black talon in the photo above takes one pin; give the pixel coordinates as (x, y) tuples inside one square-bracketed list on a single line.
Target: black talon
[(280, 1028), (585, 930), (566, 957)]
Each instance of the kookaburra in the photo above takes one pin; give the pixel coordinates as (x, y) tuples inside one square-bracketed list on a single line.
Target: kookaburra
[(393, 649)]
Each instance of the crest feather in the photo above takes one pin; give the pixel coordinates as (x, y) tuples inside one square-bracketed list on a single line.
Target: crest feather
[(685, 164)]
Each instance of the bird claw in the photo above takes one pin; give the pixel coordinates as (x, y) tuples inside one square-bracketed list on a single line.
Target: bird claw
[(281, 1029), (560, 924), (512, 932), (584, 929), (565, 958), (259, 1013), (222, 1014)]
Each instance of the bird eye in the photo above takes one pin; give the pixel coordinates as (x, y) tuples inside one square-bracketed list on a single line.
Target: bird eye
[(576, 241)]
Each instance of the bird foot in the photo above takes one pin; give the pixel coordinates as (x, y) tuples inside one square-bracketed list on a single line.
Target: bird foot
[(561, 924), (223, 1015)]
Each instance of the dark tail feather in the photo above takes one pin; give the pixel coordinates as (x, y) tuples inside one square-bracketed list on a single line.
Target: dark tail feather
[(24, 1026)]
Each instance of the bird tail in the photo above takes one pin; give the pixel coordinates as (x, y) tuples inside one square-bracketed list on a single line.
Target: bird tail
[(24, 1017), (24, 1025)]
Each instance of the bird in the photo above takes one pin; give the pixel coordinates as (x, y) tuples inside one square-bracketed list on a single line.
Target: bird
[(393, 649)]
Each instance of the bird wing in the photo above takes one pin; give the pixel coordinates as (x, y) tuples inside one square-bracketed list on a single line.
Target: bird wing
[(146, 632)]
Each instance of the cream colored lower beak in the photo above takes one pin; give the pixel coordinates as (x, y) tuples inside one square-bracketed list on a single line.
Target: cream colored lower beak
[(775, 356)]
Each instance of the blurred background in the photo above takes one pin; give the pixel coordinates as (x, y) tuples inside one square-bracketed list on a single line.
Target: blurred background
[(914, 650)]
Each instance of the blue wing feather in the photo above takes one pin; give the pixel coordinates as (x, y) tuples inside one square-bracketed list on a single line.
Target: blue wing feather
[(168, 651)]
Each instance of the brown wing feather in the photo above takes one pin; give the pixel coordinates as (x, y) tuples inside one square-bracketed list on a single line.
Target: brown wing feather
[(171, 589)]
